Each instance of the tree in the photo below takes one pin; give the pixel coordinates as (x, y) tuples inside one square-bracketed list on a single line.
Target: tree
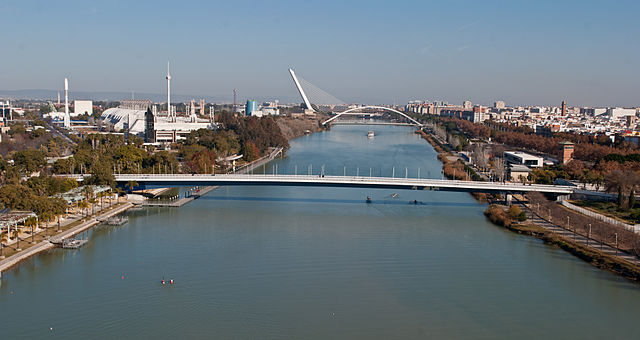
[(88, 192), (64, 166), (101, 174), (479, 156), (46, 109), (499, 168), (621, 181), (250, 151), (29, 160), (634, 181), (83, 205), (131, 185)]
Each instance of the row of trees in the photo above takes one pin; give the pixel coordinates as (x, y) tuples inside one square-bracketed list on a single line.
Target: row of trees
[(22, 197), (101, 155)]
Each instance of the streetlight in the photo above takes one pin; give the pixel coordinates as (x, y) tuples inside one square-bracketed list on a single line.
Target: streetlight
[(616, 243), (17, 237), (589, 234)]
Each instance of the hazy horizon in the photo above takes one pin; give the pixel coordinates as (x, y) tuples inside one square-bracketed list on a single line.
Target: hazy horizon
[(374, 52)]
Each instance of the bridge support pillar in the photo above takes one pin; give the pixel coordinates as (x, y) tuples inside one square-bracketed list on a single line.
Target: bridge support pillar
[(508, 198), (562, 198)]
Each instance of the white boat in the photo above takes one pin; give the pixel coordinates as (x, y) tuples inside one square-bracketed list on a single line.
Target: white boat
[(370, 134)]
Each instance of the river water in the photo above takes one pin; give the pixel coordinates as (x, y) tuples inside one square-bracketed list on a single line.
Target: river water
[(318, 263)]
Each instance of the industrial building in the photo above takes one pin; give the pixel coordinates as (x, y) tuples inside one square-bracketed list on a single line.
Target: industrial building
[(267, 109), (81, 107), (140, 118)]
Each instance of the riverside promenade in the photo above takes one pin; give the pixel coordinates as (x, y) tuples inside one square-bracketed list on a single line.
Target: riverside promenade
[(51, 241), (542, 221)]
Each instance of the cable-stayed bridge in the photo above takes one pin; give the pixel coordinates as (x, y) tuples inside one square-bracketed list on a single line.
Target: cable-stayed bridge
[(315, 96)]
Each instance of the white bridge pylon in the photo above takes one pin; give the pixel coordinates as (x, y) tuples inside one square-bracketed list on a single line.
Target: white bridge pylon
[(355, 111)]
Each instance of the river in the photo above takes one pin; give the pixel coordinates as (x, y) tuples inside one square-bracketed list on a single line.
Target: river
[(318, 263)]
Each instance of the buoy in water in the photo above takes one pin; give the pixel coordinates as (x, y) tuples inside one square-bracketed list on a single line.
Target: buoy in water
[(171, 281)]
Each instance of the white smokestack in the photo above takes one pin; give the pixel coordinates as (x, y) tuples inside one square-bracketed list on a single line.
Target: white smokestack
[(67, 118), (168, 91)]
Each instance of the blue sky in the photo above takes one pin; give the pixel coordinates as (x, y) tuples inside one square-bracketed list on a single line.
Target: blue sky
[(523, 52)]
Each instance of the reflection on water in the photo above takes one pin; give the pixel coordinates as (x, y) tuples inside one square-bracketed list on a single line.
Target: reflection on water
[(396, 201)]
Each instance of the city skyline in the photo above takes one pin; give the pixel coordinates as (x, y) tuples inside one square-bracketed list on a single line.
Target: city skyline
[(524, 54)]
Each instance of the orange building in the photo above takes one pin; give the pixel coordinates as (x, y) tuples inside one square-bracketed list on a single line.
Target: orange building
[(567, 151)]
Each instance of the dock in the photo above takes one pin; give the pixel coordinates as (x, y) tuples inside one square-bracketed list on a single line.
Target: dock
[(115, 220), (73, 243)]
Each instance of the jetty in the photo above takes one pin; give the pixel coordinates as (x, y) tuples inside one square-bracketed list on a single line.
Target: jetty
[(73, 243), (115, 220)]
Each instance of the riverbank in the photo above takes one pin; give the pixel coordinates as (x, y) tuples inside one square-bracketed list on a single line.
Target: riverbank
[(591, 255), (67, 231), (296, 127), (606, 258)]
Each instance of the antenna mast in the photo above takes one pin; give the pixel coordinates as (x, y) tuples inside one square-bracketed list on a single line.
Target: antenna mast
[(235, 103)]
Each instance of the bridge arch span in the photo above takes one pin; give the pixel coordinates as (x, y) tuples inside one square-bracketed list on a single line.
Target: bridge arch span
[(353, 111)]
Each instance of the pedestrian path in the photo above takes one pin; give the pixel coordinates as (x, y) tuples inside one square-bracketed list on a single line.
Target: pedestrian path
[(583, 240)]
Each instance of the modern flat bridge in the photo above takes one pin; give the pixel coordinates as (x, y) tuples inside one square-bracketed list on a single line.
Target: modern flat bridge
[(148, 181)]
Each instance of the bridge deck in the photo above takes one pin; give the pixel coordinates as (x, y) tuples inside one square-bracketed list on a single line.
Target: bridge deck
[(149, 181)]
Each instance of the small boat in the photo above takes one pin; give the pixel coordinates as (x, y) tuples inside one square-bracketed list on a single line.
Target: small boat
[(370, 134), (368, 199), (394, 195)]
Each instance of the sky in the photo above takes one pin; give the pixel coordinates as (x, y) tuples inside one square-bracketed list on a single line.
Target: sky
[(374, 52)]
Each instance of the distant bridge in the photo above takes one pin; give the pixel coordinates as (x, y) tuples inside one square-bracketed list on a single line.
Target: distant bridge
[(320, 97), (357, 111), (152, 181), (369, 122)]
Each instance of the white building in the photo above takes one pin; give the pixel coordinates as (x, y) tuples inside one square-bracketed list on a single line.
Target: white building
[(167, 130), (619, 112), (81, 107), (517, 157), (123, 118)]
